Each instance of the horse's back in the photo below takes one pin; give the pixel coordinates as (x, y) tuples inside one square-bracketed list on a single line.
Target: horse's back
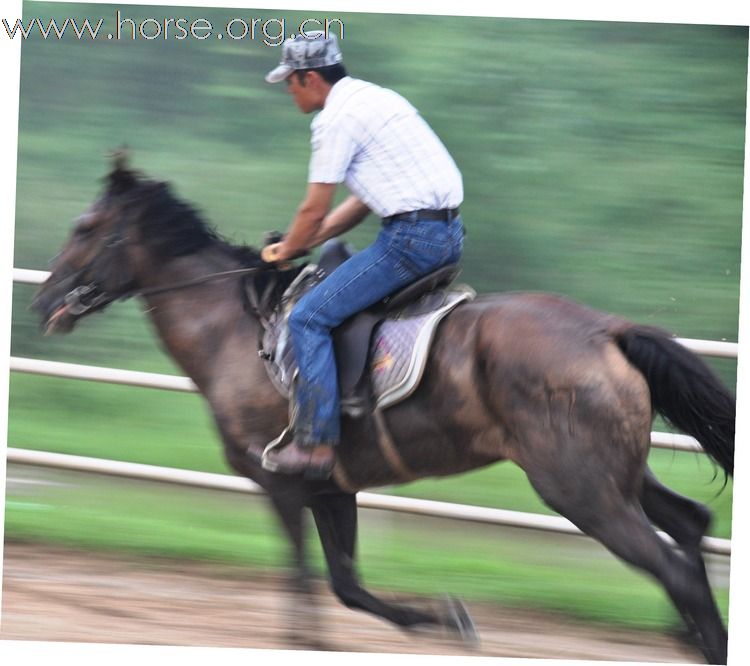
[(544, 333), (545, 313)]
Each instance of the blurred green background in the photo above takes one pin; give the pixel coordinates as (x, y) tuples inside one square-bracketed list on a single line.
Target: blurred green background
[(600, 160)]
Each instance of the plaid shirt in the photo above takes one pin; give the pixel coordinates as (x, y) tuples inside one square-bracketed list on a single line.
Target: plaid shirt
[(375, 142)]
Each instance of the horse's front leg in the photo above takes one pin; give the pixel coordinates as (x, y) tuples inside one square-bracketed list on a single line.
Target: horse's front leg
[(336, 520), (301, 616)]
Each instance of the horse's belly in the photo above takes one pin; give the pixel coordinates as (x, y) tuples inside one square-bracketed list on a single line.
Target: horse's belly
[(380, 453)]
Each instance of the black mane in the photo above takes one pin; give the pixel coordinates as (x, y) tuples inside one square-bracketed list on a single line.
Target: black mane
[(171, 227)]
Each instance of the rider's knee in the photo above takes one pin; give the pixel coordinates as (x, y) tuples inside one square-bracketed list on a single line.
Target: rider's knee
[(301, 319)]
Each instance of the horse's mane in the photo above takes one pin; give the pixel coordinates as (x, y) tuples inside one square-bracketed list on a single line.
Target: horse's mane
[(171, 227)]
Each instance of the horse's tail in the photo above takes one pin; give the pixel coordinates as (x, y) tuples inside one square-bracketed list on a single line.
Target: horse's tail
[(684, 390)]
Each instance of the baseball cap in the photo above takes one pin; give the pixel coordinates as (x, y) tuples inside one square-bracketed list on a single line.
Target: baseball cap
[(308, 51)]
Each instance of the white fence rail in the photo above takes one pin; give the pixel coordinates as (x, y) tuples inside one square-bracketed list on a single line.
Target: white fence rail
[(28, 276), (705, 347), (97, 374), (367, 500), (662, 440), (208, 480)]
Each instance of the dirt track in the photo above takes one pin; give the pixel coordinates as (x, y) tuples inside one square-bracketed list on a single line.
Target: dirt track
[(51, 594)]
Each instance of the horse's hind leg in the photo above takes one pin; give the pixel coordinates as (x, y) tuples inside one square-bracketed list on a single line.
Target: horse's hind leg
[(598, 505), (684, 519), (336, 520)]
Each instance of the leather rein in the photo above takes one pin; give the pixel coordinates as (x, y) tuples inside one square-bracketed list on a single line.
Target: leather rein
[(77, 303), (86, 297)]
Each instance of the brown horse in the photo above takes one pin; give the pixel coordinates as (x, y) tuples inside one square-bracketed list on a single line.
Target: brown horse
[(565, 392)]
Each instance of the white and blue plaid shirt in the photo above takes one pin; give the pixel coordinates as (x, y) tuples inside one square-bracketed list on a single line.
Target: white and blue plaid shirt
[(374, 141)]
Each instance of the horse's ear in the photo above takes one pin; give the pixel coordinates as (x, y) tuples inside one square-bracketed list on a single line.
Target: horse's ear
[(121, 177), (120, 158)]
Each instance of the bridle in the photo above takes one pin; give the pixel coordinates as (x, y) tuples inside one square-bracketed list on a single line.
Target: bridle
[(86, 297), (77, 304)]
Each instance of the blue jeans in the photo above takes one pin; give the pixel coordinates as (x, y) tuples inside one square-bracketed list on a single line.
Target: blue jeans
[(403, 252)]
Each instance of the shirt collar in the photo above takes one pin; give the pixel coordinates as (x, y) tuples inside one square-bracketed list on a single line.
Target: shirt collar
[(336, 90)]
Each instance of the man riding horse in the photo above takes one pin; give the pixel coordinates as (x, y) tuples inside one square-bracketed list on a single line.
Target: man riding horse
[(375, 142), (565, 392)]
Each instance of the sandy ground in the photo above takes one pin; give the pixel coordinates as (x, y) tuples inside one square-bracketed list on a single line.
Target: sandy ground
[(55, 594)]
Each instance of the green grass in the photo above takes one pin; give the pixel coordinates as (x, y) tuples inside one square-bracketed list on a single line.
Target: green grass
[(170, 429), (504, 566), (600, 160), (398, 555), (175, 430)]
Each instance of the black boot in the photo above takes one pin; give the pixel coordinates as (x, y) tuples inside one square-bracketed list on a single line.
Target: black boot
[(315, 462)]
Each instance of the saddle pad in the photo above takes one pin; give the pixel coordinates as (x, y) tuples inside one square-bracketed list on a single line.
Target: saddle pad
[(400, 348)]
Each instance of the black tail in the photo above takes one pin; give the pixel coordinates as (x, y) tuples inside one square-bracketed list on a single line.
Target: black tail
[(684, 390)]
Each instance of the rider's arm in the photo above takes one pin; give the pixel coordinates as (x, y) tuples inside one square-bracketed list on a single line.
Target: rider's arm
[(349, 213), (311, 226), (305, 225)]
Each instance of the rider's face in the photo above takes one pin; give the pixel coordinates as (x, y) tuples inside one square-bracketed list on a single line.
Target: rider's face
[(307, 97)]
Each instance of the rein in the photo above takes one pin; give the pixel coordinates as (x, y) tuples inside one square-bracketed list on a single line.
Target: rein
[(192, 283), (77, 305), (85, 297)]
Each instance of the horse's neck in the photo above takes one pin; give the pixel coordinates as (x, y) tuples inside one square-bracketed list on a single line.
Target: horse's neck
[(196, 323)]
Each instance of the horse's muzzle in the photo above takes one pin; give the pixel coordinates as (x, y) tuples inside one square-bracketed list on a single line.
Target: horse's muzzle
[(59, 304)]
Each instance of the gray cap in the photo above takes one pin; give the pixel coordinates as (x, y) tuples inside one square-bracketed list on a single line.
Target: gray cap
[(306, 52)]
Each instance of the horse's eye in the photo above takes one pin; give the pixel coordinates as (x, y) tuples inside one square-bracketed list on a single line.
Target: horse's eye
[(83, 231)]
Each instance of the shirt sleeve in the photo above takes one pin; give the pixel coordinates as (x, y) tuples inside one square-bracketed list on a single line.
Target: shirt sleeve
[(333, 149)]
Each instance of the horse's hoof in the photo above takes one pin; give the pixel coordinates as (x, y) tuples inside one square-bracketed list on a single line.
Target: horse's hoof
[(458, 619), (296, 641)]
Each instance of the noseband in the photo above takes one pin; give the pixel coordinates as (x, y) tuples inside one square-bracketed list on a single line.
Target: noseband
[(90, 295), (77, 299)]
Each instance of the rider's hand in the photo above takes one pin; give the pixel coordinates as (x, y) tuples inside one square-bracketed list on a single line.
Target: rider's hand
[(271, 253)]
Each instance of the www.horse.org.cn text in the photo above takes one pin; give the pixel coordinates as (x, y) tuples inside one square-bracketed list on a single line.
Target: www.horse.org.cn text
[(268, 31)]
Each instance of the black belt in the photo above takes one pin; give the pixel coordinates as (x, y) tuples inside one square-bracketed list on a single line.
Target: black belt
[(444, 215)]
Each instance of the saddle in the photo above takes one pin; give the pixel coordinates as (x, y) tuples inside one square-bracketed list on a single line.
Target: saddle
[(390, 339)]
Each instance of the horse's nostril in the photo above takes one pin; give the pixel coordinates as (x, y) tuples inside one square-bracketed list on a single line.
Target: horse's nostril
[(36, 301)]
